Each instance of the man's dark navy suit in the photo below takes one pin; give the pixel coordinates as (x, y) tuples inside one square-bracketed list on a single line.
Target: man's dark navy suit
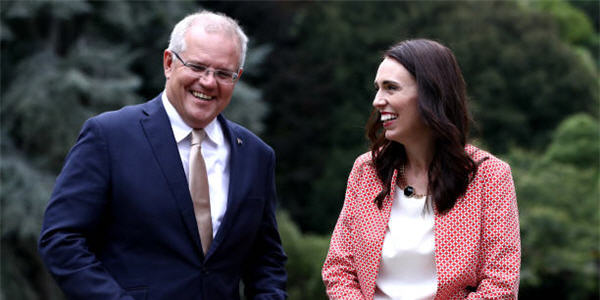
[(120, 223)]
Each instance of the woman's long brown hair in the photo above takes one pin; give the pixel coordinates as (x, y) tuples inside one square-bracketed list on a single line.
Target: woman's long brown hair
[(442, 104)]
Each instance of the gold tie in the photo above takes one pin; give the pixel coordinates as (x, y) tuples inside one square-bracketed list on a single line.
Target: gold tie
[(199, 190)]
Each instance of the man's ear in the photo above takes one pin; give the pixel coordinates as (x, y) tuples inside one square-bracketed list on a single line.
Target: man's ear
[(167, 63), (240, 71)]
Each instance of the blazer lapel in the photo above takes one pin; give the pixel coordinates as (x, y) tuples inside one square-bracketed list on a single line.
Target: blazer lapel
[(233, 198), (157, 128)]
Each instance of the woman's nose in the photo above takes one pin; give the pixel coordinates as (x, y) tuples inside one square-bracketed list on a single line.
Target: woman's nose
[(379, 102)]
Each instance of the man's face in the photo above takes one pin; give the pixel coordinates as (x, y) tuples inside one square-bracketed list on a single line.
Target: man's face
[(197, 97)]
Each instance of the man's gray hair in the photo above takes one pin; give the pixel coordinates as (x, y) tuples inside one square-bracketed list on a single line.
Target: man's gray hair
[(208, 18)]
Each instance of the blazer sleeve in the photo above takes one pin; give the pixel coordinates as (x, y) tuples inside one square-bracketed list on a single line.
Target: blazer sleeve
[(264, 275), (73, 217), (501, 243), (339, 272)]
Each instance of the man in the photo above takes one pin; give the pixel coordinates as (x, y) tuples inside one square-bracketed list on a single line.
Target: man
[(168, 199)]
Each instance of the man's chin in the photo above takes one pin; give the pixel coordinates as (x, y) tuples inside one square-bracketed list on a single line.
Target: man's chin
[(202, 119)]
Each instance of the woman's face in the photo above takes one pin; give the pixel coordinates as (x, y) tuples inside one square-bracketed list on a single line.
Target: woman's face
[(397, 102)]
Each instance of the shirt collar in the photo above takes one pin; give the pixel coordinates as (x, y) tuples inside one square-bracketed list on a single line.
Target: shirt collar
[(181, 130)]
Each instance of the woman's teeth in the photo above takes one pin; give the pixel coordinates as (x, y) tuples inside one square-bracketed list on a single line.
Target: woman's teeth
[(388, 117)]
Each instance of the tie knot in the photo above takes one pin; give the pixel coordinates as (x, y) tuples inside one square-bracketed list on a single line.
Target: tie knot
[(197, 136)]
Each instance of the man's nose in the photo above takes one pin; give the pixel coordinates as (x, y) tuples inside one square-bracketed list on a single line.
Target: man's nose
[(208, 78)]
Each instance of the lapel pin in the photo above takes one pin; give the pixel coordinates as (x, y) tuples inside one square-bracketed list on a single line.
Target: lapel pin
[(239, 141)]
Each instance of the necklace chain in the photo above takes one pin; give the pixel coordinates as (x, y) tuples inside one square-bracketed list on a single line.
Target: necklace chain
[(409, 191)]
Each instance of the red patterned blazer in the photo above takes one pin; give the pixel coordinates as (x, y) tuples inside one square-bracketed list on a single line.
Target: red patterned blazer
[(477, 243)]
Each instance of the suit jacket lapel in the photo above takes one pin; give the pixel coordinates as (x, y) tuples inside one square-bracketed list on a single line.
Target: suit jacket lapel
[(233, 198), (157, 128)]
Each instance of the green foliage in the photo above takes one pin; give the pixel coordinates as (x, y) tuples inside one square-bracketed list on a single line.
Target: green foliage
[(23, 197), (306, 254), (575, 20), (46, 86), (591, 8), (575, 27), (576, 142), (247, 106), (558, 203)]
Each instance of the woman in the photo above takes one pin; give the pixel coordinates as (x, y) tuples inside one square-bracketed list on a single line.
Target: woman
[(426, 216)]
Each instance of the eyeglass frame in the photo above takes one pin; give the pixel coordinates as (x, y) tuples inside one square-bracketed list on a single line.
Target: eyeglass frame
[(200, 68)]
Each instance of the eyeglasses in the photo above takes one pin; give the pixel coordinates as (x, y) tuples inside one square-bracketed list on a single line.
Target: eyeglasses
[(222, 76)]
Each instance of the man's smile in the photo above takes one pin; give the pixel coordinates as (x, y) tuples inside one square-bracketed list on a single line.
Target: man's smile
[(201, 96)]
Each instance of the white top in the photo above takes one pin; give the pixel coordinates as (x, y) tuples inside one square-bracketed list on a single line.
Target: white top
[(407, 269), (215, 151)]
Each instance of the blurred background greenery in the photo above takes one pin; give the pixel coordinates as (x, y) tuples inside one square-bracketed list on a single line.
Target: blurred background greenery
[(531, 69)]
